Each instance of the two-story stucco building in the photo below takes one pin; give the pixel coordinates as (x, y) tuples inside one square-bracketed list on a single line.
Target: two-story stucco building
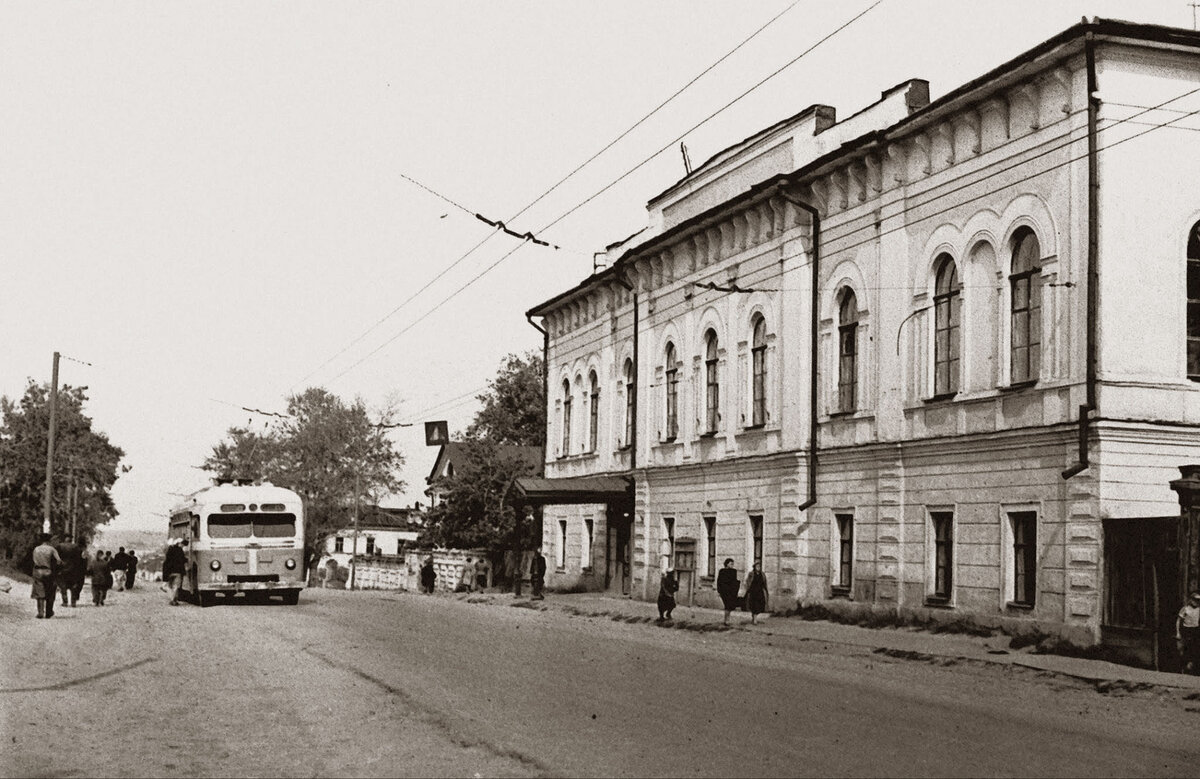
[(916, 360)]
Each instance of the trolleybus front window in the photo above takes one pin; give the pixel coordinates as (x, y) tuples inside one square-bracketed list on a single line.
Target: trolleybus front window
[(230, 525), (275, 526)]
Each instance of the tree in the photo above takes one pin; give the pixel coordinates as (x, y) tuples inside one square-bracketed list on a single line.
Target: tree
[(514, 407), (323, 449), (86, 465), (474, 511)]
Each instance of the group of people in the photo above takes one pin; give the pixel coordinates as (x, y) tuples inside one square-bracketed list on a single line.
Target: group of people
[(754, 599), (60, 567)]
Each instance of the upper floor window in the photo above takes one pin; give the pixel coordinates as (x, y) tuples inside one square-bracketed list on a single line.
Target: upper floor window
[(593, 412), (566, 418), (947, 315), (672, 377), (1026, 283), (1193, 303), (847, 352), (630, 391), (712, 387), (758, 358)]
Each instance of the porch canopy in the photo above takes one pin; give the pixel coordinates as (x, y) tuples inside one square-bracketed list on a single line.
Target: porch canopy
[(536, 490)]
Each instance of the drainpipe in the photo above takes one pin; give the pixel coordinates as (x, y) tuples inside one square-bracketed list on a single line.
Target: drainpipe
[(812, 377), (1093, 246)]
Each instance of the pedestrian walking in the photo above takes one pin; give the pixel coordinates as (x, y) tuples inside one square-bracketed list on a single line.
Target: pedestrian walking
[(74, 569), (756, 592), (668, 585), (174, 567), (131, 565), (46, 563), (727, 587), (98, 568), (428, 576), (117, 566), (537, 575), (108, 577)]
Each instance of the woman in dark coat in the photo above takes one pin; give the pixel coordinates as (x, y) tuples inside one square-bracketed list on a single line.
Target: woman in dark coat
[(727, 587), (756, 592), (428, 576), (666, 595)]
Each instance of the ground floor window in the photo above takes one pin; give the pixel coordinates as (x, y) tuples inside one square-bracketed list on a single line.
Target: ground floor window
[(586, 552), (756, 539), (560, 556), (339, 544), (1023, 525), (710, 547), (942, 527), (370, 545), (668, 541), (843, 544)]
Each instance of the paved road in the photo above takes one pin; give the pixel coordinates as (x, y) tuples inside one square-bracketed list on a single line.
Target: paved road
[(386, 684)]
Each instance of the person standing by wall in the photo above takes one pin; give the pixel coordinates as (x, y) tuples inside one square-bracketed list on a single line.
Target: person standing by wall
[(46, 562), (537, 574), (1187, 633), (98, 568), (727, 587), (428, 576), (481, 574), (756, 592), (174, 567), (668, 585)]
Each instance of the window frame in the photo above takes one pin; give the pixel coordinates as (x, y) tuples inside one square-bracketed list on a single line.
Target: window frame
[(842, 578), (593, 412), (671, 388), (757, 523), (630, 394), (758, 371), (712, 382), (1192, 293), (848, 320), (1025, 308), (588, 538), (1023, 537), (941, 559), (947, 328), (710, 545), (560, 556), (566, 418)]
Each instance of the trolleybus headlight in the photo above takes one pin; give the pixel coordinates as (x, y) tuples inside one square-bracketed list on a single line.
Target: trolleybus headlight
[(290, 564), (215, 565)]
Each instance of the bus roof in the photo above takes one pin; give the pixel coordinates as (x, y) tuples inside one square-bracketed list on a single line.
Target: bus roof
[(232, 493)]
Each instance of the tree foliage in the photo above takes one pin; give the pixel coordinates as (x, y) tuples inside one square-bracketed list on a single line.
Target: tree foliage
[(514, 407), (475, 509), (85, 463), (324, 450)]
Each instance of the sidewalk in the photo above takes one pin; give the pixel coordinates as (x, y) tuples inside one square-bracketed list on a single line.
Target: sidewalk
[(897, 641)]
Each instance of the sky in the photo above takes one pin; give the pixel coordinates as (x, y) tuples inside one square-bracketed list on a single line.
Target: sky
[(206, 208)]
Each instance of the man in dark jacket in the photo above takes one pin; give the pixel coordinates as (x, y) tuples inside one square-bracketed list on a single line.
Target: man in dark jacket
[(174, 567), (74, 568), (131, 562)]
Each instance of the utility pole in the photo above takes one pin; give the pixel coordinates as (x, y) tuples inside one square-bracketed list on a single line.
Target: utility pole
[(354, 547), (50, 447)]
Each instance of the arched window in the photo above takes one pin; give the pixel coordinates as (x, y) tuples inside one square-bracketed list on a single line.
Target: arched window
[(758, 358), (712, 387), (1026, 283), (947, 314), (566, 418), (593, 412), (1193, 303), (672, 377), (847, 352), (630, 394)]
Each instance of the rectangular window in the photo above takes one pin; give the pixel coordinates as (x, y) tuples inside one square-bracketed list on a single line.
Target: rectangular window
[(847, 368), (629, 396), (756, 539), (594, 418), (943, 554), (566, 427), (560, 560), (1024, 570), (712, 397), (947, 315), (370, 544), (672, 404), (668, 542), (844, 541), (399, 546), (1026, 327), (710, 546), (339, 544), (1193, 305), (585, 555), (758, 411)]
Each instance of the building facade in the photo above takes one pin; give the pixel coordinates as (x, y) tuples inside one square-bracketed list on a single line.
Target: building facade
[(913, 361)]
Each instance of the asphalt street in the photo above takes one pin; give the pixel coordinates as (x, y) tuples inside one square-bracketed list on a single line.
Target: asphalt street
[(391, 684)]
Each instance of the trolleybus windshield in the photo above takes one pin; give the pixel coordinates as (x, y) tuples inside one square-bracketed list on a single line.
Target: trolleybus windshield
[(247, 525)]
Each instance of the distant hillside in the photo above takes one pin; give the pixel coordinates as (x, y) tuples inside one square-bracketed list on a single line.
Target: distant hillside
[(140, 540)]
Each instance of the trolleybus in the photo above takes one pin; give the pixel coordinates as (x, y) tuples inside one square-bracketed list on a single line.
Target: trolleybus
[(242, 537)]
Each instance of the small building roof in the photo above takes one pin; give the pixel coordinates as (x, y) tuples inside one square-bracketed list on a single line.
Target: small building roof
[(573, 489)]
